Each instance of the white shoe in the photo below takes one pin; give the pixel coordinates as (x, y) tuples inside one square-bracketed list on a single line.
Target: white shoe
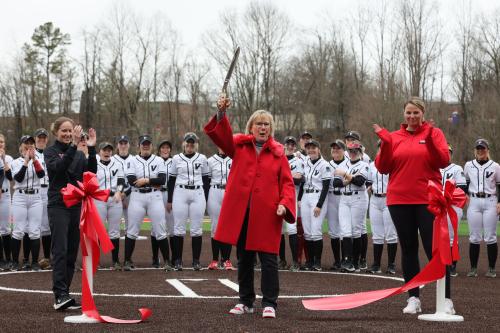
[(269, 312), (413, 306), (448, 306), (240, 309)]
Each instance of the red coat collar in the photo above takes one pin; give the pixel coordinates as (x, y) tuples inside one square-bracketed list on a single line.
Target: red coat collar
[(275, 147), (421, 128)]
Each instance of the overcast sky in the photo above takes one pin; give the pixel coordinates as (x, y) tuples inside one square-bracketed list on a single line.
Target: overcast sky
[(191, 18)]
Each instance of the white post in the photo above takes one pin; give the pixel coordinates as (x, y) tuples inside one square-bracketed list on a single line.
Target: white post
[(440, 314), (84, 319)]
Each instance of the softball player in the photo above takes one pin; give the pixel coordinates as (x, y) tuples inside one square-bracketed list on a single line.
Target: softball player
[(318, 175), (338, 149), (352, 206), (41, 137), (355, 137), (5, 206), (187, 193), (304, 138), (110, 176), (483, 178), (297, 168), (456, 173), (146, 172), (164, 150), (382, 226), (125, 159), (27, 207), (219, 166)]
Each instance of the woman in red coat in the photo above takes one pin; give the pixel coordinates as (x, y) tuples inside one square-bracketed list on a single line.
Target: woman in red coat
[(259, 194), (412, 156)]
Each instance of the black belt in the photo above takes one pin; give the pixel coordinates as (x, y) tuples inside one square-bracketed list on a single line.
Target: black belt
[(4, 191), (380, 195), (335, 192), (146, 190), (311, 191), (163, 189), (190, 187), (44, 185), (29, 191), (222, 187), (350, 193), (481, 195)]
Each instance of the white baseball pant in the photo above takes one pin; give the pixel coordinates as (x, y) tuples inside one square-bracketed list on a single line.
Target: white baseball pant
[(5, 213), (146, 203), (332, 215), (482, 217), (312, 225), (45, 228), (111, 212), (352, 213), (382, 226), (27, 212), (214, 204), (169, 216), (188, 204)]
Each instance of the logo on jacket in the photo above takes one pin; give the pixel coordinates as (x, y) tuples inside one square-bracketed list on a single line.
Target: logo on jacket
[(197, 166), (293, 167), (488, 174), (449, 175), (113, 172), (422, 142), (316, 172), (153, 167)]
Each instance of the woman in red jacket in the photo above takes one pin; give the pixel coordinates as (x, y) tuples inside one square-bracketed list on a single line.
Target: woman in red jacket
[(259, 194), (412, 156)]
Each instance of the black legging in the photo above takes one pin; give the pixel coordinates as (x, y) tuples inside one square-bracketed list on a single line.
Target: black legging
[(410, 220)]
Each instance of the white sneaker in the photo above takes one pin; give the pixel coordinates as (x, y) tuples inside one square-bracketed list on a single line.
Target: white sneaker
[(269, 312), (448, 306), (413, 306), (240, 309)]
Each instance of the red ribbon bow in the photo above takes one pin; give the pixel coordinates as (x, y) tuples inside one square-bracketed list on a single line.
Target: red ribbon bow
[(441, 205), (92, 230)]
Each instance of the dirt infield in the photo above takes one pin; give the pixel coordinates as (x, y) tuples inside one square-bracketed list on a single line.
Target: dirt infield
[(26, 304)]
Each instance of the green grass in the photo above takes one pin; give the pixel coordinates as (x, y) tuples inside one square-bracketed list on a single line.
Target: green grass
[(463, 227)]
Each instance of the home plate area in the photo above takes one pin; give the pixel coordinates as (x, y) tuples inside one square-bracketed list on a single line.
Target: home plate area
[(200, 300)]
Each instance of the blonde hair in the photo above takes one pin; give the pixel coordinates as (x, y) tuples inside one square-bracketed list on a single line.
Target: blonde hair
[(54, 127), (2, 136), (487, 153), (184, 143), (258, 114), (416, 101)]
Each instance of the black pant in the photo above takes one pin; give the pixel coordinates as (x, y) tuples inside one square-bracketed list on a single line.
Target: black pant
[(410, 221), (65, 230), (269, 269)]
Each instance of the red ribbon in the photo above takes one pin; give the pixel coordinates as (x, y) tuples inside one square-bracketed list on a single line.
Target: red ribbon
[(92, 229), (441, 204)]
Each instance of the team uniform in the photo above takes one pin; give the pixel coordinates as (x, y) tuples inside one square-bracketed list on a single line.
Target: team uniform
[(27, 206), (332, 213), (187, 195), (5, 213), (317, 176), (146, 200), (353, 206), (483, 180), (456, 173), (383, 229), (219, 167), (110, 176), (125, 162), (45, 228)]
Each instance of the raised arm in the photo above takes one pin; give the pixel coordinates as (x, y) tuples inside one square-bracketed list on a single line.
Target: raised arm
[(219, 128)]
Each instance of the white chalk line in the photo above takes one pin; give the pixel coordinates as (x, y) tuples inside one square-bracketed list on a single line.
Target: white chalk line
[(187, 292)]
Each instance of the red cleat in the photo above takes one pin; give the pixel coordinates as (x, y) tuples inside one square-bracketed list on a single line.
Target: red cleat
[(228, 266), (213, 265)]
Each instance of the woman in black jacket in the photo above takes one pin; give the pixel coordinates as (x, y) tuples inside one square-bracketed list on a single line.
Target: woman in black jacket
[(65, 164)]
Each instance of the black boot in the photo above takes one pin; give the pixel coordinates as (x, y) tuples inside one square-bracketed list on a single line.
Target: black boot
[(356, 251), (15, 246), (318, 251), (347, 251), (154, 251), (335, 243), (165, 252), (492, 250), (26, 248), (46, 244), (196, 243), (474, 254), (128, 265), (35, 253), (178, 246), (377, 257), (116, 250)]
